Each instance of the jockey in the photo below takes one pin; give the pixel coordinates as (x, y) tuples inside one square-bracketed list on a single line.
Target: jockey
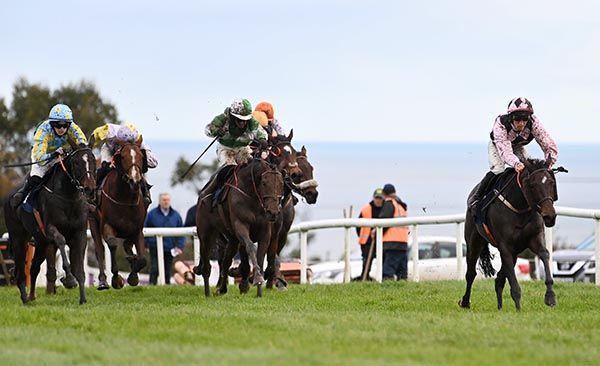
[(108, 135), (511, 132), (236, 129), (273, 126), (49, 141)]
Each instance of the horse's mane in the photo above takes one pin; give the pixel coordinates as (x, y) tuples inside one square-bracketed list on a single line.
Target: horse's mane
[(535, 164)]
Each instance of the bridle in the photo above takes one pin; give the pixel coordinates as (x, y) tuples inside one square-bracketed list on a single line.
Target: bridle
[(526, 181), (118, 163), (74, 181)]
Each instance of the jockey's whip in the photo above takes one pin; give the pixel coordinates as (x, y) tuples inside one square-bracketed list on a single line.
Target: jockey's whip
[(28, 164), (195, 161)]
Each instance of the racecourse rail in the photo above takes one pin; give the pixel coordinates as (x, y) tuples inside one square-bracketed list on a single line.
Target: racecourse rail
[(349, 223)]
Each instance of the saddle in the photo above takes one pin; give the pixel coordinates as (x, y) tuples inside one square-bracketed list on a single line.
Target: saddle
[(218, 185), (490, 193)]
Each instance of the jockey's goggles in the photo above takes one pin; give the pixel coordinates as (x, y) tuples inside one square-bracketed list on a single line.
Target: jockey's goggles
[(60, 124), (521, 117)]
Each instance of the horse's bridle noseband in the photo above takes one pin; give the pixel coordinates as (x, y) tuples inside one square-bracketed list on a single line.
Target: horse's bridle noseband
[(119, 166)]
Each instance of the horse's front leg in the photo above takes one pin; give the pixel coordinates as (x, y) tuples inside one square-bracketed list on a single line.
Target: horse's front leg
[(110, 236), (231, 248), (56, 237), (99, 251), (499, 284), (508, 267), (243, 236), (136, 261), (78, 244), (540, 250)]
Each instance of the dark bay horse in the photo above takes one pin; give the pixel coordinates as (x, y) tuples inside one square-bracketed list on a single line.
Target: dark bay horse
[(305, 185), (515, 222), (120, 215), (246, 215), (63, 208)]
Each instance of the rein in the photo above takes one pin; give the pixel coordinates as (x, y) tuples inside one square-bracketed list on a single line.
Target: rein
[(72, 180)]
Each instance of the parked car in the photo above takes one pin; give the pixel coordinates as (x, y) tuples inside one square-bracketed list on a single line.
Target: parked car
[(437, 261), (578, 264)]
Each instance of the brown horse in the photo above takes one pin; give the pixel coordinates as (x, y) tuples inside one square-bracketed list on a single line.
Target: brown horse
[(521, 206), (305, 185), (246, 216), (120, 215), (63, 209)]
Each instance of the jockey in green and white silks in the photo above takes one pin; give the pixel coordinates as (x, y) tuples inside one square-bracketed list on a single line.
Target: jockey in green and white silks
[(49, 141), (236, 129)]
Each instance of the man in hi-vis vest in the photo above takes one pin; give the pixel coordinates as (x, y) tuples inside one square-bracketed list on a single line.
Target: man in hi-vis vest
[(395, 239), (366, 234)]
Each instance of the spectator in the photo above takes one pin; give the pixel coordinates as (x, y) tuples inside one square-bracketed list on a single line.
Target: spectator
[(395, 239), (366, 234), (190, 216), (163, 216)]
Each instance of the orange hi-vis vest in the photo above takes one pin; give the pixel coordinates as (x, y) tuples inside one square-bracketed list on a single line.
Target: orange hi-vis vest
[(398, 233), (365, 231)]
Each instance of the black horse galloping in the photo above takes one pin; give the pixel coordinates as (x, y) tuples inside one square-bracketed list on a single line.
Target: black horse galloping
[(63, 207), (522, 204)]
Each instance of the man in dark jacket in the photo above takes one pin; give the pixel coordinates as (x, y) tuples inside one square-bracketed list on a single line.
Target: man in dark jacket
[(163, 216), (366, 234), (395, 239)]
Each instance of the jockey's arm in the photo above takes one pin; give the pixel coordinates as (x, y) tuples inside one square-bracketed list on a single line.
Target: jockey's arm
[(504, 145), (545, 141), (76, 134), (100, 135), (150, 157), (41, 141), (260, 133), (213, 127)]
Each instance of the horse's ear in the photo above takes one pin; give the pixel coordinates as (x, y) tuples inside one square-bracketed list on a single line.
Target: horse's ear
[(291, 135), (91, 141), (140, 140), (272, 139), (303, 150)]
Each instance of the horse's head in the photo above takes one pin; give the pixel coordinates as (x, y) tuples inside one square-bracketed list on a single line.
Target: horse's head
[(309, 184), (539, 188), (268, 182), (283, 155), (129, 161), (80, 166)]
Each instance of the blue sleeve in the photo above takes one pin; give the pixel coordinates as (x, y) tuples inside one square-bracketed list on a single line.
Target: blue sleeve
[(148, 221)]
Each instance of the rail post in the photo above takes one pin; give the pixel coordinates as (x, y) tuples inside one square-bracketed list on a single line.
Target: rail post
[(379, 249), (415, 252), (459, 250), (160, 259), (303, 257)]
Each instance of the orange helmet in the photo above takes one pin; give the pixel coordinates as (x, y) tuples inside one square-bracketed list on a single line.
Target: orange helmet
[(267, 108), (261, 117)]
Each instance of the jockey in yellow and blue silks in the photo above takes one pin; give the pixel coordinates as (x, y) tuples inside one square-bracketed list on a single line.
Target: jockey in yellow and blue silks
[(49, 141)]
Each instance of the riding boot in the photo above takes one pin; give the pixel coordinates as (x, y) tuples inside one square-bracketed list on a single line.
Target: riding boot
[(102, 172), (31, 182), (481, 190), (219, 183), (146, 192)]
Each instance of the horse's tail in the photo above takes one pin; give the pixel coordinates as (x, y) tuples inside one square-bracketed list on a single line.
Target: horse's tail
[(485, 261)]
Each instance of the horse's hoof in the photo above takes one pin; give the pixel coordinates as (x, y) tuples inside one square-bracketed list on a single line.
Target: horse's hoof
[(207, 292), (220, 292), (117, 282), (133, 279), (69, 282), (196, 270), (464, 305), (244, 287), (82, 301), (31, 298), (550, 299), (258, 280), (103, 285), (269, 284)]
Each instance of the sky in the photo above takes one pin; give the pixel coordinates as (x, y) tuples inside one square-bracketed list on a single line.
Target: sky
[(394, 71)]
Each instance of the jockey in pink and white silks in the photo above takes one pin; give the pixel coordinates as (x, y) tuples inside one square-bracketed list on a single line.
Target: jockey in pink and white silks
[(108, 135), (512, 131)]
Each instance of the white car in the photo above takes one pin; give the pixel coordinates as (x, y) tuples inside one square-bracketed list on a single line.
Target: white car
[(437, 261)]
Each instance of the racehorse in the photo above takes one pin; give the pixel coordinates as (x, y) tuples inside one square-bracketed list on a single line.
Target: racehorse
[(305, 185), (250, 207), (120, 215), (59, 218), (521, 206)]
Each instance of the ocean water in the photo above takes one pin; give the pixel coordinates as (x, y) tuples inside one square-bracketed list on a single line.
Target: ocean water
[(432, 178)]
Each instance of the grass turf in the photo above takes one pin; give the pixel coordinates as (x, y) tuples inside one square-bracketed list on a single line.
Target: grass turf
[(355, 324)]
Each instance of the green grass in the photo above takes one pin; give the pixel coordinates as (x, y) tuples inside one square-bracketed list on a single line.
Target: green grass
[(355, 324)]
